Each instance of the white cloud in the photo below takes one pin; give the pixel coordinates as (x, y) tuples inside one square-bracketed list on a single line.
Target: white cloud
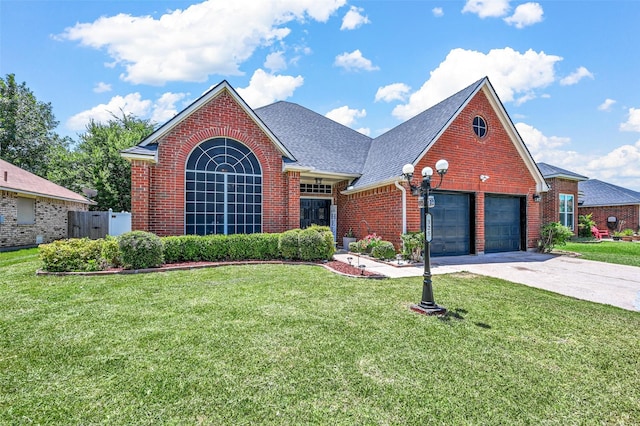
[(129, 104), (576, 76), (437, 12), (354, 19), (487, 8), (515, 76), (606, 105), (165, 107), (267, 88), (364, 130), (392, 92), (633, 121), (186, 45), (275, 62), (619, 166), (345, 115), (354, 61), (102, 87), (525, 14)]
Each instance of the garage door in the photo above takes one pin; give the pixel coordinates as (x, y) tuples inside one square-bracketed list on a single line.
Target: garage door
[(451, 225), (502, 227)]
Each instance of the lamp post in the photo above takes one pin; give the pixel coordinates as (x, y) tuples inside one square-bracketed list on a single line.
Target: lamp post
[(427, 306)]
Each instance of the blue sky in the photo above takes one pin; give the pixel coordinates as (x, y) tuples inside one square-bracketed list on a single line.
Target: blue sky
[(567, 71)]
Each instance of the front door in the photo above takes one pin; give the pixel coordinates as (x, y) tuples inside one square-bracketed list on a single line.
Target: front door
[(314, 211)]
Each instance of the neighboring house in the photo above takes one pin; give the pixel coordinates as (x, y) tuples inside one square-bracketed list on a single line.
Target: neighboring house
[(611, 206), (33, 210), (220, 167), (560, 203)]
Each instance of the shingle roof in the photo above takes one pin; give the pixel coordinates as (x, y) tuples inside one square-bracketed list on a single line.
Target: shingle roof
[(15, 179), (406, 142), (549, 171), (598, 193), (314, 140)]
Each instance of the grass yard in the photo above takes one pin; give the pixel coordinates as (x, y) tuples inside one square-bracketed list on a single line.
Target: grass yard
[(282, 344), (619, 252)]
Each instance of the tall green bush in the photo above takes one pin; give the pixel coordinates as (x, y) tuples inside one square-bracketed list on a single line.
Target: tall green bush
[(412, 246), (553, 234), (140, 250), (289, 244)]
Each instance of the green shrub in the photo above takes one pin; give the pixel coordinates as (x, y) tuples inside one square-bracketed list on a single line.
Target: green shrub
[(110, 252), (368, 243), (412, 246), (312, 245), (384, 250), (78, 254), (140, 250), (328, 240), (354, 247), (553, 234), (585, 223), (289, 245), (215, 248)]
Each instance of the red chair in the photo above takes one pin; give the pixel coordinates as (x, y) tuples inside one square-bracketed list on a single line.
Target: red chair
[(599, 233)]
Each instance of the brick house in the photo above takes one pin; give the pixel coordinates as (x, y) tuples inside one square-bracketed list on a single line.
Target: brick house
[(560, 203), (571, 195), (611, 206), (221, 167), (33, 210)]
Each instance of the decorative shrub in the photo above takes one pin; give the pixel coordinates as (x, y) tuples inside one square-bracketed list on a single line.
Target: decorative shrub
[(77, 254), (289, 245), (412, 246), (354, 247), (585, 223), (140, 250), (110, 253), (367, 244), (328, 240), (384, 250), (553, 234)]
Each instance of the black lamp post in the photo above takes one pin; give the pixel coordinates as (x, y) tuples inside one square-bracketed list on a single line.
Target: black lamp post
[(427, 306)]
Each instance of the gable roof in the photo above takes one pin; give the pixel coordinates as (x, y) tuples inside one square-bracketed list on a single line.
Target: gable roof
[(15, 179), (598, 193), (146, 150), (318, 143), (549, 172)]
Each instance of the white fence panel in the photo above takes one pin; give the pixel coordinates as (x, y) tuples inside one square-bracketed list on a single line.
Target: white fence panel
[(119, 223)]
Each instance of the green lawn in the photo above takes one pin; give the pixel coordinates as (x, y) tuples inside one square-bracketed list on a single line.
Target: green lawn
[(619, 252), (283, 344)]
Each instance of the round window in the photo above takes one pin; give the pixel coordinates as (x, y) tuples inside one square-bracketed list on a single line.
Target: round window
[(479, 126)]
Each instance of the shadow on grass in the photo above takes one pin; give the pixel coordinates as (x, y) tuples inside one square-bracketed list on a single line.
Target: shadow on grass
[(457, 315)]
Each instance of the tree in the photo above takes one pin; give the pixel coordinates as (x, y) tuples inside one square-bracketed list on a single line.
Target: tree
[(96, 162), (27, 138)]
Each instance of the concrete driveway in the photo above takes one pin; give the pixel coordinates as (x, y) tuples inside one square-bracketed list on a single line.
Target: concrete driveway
[(616, 285)]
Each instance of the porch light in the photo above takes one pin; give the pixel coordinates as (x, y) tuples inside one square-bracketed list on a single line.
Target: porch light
[(536, 198), (427, 306)]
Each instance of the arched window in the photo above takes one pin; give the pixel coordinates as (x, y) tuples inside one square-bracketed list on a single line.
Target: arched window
[(223, 186)]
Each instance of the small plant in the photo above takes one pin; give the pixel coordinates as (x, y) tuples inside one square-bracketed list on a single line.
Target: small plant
[(412, 246), (350, 233), (384, 250), (585, 223), (368, 243), (553, 234), (141, 250)]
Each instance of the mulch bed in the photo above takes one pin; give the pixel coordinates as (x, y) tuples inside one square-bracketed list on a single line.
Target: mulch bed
[(333, 265)]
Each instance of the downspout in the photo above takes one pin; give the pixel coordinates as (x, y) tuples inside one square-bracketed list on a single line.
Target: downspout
[(404, 206)]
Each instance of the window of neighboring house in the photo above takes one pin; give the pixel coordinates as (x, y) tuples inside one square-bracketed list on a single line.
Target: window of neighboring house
[(26, 211), (566, 210), (223, 189)]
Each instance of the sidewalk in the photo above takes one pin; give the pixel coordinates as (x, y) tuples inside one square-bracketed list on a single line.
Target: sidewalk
[(616, 285)]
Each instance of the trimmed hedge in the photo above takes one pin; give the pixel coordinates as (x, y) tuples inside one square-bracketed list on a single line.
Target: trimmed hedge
[(384, 250), (139, 250)]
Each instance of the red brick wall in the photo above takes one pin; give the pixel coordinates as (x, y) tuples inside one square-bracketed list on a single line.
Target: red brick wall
[(551, 200), (140, 180), (469, 157), (629, 214), (220, 117)]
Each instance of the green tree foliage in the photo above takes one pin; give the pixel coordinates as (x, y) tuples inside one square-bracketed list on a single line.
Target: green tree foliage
[(27, 139), (553, 234), (96, 164)]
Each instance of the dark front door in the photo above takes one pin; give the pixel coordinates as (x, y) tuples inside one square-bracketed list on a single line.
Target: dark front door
[(451, 225), (313, 211), (502, 225)]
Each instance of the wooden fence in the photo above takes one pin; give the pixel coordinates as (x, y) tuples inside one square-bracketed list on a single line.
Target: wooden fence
[(93, 225)]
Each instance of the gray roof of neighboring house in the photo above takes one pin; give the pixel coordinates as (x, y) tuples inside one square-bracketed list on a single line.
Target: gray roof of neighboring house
[(314, 140), (598, 193), (549, 171), (408, 141)]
